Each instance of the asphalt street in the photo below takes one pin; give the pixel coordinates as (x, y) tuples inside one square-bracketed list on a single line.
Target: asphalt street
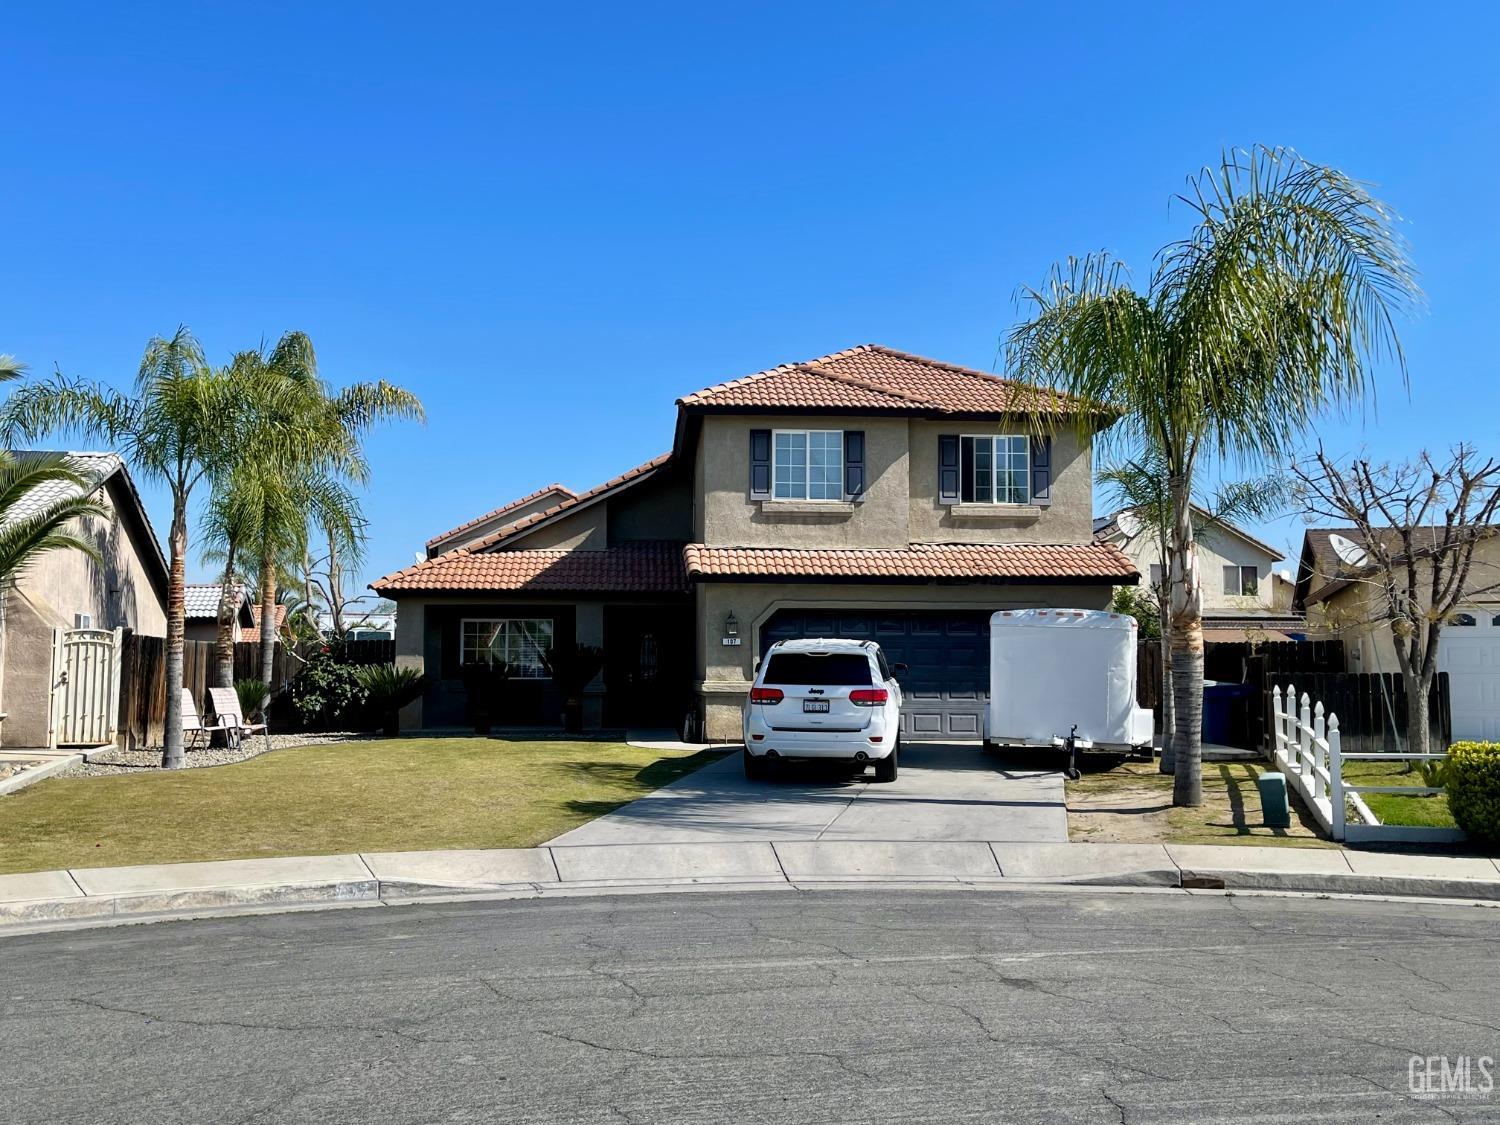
[(872, 1005)]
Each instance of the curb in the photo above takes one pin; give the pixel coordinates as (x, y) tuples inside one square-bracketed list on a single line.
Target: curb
[(46, 769), (108, 896)]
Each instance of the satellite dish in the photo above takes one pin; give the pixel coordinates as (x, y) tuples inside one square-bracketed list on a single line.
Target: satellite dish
[(1349, 552), (1129, 523)]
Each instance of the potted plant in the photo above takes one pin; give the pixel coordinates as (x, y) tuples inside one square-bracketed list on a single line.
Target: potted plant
[(387, 690), (484, 684), (572, 668)]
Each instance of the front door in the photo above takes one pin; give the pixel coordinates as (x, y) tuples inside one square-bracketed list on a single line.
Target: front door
[(648, 657)]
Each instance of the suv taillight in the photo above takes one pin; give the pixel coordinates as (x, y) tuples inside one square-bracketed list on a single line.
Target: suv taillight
[(766, 695), (869, 697)]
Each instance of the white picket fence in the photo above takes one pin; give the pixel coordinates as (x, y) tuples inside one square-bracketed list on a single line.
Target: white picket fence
[(1305, 747)]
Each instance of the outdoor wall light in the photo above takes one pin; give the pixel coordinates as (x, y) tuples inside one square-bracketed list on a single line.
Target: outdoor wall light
[(731, 624)]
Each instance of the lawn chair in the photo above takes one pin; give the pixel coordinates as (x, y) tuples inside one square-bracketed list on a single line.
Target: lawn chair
[(192, 725), (226, 704)]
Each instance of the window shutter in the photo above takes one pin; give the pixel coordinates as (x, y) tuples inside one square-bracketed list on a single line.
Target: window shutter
[(1041, 471), (947, 468), (760, 464), (854, 464)]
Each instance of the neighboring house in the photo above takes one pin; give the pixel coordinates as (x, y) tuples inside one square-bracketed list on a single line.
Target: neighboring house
[(869, 493), (1340, 600), (252, 632), (361, 625), (202, 611), (69, 590), (1238, 576)]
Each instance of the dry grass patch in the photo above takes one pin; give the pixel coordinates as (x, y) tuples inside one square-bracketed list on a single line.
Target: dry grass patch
[(387, 795)]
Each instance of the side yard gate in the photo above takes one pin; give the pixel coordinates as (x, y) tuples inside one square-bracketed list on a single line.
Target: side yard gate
[(85, 697)]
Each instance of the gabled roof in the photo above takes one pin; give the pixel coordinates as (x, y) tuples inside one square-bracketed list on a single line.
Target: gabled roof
[(99, 469), (1107, 527), (872, 377), (1016, 562), (574, 502), (1320, 560), (560, 491), (202, 602), (645, 567)]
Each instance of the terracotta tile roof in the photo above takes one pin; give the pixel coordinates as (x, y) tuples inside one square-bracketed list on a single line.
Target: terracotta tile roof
[(500, 511), (646, 567), (630, 476), (1015, 561), (873, 377), (252, 632)]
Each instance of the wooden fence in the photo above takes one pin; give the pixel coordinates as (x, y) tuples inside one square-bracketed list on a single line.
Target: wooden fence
[(1372, 708), (143, 676)]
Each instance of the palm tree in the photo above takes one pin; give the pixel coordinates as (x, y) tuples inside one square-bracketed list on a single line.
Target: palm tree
[(1138, 485), (1271, 311), (180, 427), (309, 486)]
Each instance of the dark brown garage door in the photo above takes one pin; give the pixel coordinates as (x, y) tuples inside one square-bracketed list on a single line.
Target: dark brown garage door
[(946, 684)]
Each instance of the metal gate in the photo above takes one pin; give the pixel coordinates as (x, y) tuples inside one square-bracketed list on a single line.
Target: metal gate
[(85, 686)]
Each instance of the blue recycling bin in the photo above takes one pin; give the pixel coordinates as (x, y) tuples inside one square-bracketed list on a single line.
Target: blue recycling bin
[(1219, 703)]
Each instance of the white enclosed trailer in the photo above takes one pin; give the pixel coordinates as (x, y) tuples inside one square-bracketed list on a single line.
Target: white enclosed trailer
[(1064, 678)]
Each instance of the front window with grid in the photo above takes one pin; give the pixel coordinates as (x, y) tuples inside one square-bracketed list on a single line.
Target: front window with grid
[(517, 641), (808, 465), (996, 470)]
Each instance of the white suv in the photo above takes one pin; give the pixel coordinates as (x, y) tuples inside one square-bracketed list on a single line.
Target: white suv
[(826, 699)]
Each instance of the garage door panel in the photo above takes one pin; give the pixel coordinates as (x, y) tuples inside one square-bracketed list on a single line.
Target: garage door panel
[(1471, 657), (946, 684)]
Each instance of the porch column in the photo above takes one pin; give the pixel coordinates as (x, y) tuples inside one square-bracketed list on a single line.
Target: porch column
[(411, 652), (588, 629)]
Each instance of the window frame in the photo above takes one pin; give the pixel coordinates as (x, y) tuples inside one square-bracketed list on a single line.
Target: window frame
[(1239, 590), (464, 622), (968, 485), (837, 480)]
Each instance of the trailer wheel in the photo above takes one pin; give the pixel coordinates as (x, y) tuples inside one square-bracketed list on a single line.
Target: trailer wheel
[(1072, 773)]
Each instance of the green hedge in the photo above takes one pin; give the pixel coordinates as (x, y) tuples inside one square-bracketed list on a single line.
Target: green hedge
[(1474, 788)]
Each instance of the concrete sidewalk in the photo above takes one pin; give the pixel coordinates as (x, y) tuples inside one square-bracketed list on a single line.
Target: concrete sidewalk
[(945, 791), (91, 896)]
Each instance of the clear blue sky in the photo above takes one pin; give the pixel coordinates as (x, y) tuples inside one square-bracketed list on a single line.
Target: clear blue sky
[(551, 220)]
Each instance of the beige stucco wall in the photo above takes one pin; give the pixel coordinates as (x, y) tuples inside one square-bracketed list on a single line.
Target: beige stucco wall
[(725, 673), (1216, 550), (731, 518), (658, 508), (117, 592), (1068, 519), (584, 530), (1354, 614)]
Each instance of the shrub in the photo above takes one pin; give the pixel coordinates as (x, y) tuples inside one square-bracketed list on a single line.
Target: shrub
[(1474, 788), (485, 685), (327, 694), (388, 689), (572, 668), (253, 695)]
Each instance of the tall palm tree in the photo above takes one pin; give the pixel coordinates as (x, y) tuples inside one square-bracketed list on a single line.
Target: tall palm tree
[(1272, 310), (179, 427), (308, 487), (1138, 485)]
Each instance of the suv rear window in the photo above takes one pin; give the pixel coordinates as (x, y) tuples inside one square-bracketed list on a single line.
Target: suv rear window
[(837, 669)]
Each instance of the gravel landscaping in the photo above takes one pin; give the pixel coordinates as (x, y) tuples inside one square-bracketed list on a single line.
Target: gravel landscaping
[(110, 761)]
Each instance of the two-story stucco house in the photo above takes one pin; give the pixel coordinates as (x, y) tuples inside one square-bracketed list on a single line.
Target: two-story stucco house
[(1244, 599), (868, 493)]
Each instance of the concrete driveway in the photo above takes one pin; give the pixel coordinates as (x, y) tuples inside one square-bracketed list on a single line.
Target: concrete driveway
[(946, 791)]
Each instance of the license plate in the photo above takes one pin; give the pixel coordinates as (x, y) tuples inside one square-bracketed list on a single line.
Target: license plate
[(815, 705)]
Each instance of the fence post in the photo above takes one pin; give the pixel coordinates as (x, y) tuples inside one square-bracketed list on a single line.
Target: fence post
[(1336, 779), (1289, 725), (1304, 731), (1278, 736), (1319, 746)]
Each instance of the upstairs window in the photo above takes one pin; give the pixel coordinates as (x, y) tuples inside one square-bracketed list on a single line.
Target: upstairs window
[(995, 469), (807, 465), (1241, 582)]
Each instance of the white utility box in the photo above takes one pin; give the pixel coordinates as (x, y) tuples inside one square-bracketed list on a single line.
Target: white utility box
[(1052, 670)]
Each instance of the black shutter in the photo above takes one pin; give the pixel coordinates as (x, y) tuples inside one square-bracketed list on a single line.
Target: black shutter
[(854, 464), (760, 464), (948, 469), (1041, 471)]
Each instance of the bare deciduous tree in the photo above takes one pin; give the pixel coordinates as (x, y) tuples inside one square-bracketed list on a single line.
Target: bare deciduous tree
[(1416, 526)]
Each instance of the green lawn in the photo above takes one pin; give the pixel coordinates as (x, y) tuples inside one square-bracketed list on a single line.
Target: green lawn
[(390, 795), (1396, 808)]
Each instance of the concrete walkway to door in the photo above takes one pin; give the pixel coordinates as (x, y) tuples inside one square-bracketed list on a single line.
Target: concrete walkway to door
[(945, 791)]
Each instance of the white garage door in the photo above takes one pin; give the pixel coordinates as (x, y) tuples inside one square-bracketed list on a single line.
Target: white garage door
[(1469, 651)]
